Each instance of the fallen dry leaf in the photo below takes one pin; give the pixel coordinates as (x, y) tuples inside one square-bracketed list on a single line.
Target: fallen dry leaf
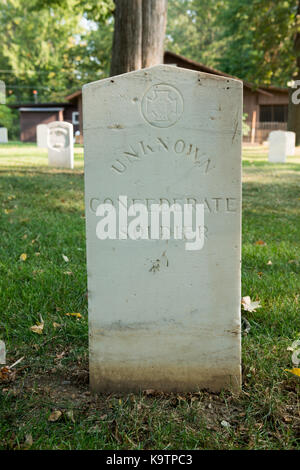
[(5, 373), (260, 242), (23, 257), (65, 258), (37, 328), (269, 263), (294, 371), (60, 355), (249, 305), (56, 325), (77, 315), (55, 416), (287, 419)]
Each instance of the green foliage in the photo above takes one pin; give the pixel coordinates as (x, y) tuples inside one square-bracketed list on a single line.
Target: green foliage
[(92, 56), (6, 117), (52, 46), (95, 10), (245, 126), (35, 50), (259, 37), (194, 30), (250, 40)]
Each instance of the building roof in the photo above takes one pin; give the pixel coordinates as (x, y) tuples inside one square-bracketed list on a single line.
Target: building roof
[(195, 65), (41, 109), (38, 106), (73, 95), (191, 64), (172, 58)]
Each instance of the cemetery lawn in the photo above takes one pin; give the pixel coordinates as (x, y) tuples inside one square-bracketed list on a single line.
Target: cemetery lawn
[(42, 218)]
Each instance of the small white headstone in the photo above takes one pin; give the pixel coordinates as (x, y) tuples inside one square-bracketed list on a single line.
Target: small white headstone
[(2, 352), (3, 135), (281, 144), (42, 135), (60, 144), (161, 316)]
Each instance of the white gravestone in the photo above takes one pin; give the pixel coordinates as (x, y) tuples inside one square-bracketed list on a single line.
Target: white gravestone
[(281, 144), (160, 316), (2, 352), (42, 135), (60, 144), (3, 135)]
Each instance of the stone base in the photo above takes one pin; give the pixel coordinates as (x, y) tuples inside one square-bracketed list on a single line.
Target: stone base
[(165, 361)]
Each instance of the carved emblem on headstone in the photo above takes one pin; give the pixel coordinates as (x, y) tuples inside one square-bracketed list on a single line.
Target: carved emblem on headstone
[(59, 138), (162, 105), (60, 144)]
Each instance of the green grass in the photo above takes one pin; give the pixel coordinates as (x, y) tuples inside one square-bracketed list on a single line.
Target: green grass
[(42, 215)]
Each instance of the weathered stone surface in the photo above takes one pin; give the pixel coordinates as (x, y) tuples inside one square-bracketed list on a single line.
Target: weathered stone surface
[(60, 144), (160, 316), (42, 135), (2, 352)]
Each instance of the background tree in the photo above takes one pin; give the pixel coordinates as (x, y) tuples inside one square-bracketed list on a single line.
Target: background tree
[(53, 46), (139, 34), (35, 49), (259, 40), (194, 30), (6, 116)]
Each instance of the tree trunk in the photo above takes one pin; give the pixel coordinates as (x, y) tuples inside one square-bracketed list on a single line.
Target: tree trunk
[(294, 109), (154, 29), (139, 34), (127, 43)]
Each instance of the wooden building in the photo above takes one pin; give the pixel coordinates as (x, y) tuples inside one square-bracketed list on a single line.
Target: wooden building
[(32, 114), (75, 99)]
